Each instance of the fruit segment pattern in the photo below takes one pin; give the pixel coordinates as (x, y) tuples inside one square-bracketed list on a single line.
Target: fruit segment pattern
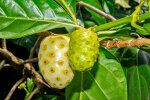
[(54, 62), (83, 49)]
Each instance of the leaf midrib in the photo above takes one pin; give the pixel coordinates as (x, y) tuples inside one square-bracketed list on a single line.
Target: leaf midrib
[(98, 85), (112, 75), (40, 20)]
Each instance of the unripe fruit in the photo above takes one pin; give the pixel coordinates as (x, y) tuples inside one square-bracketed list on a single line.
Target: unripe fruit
[(84, 49), (54, 62)]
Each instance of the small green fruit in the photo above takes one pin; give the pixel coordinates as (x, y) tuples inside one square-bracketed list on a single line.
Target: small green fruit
[(54, 61), (83, 49)]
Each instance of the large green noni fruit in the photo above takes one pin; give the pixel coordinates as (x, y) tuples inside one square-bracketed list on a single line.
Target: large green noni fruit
[(83, 49)]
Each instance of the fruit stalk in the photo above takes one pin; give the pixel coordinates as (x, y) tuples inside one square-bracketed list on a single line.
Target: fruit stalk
[(125, 20)]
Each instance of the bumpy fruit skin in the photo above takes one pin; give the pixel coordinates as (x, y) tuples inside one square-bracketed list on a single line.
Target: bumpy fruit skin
[(54, 61), (84, 49)]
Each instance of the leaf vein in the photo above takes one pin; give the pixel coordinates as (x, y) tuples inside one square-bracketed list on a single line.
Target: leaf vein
[(98, 85), (112, 75), (38, 8), (8, 24)]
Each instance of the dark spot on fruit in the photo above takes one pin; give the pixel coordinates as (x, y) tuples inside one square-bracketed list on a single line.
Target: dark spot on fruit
[(52, 54), (53, 42), (87, 41), (65, 72), (75, 41), (51, 69), (78, 58), (80, 65), (88, 61), (58, 78), (54, 84), (44, 47), (45, 62), (84, 53), (91, 48), (90, 37), (61, 45), (40, 56), (60, 62), (66, 54), (60, 84), (43, 72), (67, 81)]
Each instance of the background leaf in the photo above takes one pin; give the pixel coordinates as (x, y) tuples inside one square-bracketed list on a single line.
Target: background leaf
[(123, 3), (138, 74), (108, 6), (20, 18), (99, 19), (106, 81)]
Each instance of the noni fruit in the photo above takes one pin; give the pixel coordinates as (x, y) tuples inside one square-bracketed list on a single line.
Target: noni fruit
[(53, 61), (83, 49)]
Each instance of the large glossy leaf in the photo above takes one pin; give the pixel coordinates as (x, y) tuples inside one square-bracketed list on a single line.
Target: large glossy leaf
[(20, 18), (106, 81)]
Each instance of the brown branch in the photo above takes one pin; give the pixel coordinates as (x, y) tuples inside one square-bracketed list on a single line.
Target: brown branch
[(83, 4), (47, 33), (14, 61), (4, 44), (14, 88), (126, 43), (33, 93), (29, 61), (28, 69), (2, 63), (35, 46)]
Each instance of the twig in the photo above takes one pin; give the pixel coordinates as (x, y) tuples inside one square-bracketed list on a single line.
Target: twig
[(35, 46), (4, 44), (33, 93), (47, 33), (126, 43), (29, 61), (16, 64), (14, 61), (36, 77), (83, 4), (14, 88), (2, 63)]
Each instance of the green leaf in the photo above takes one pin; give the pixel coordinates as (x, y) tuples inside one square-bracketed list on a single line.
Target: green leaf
[(19, 18), (98, 18), (30, 85), (109, 6), (138, 75), (123, 3), (106, 81), (147, 26), (133, 84), (138, 83), (66, 6)]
